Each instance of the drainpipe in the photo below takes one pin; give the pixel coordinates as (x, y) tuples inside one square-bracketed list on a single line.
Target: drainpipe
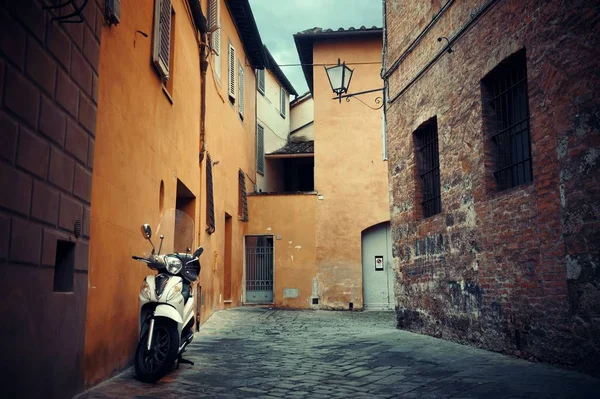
[(200, 22), (203, 68)]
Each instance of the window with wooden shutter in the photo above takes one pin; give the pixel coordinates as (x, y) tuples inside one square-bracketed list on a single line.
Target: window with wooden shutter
[(231, 73), (214, 20), (282, 101), (162, 37), (260, 149), (241, 90), (260, 78), (243, 198), (210, 204)]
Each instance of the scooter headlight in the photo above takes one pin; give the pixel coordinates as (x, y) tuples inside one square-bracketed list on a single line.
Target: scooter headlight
[(145, 290), (174, 264)]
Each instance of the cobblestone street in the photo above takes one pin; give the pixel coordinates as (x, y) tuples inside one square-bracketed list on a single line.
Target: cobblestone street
[(256, 352)]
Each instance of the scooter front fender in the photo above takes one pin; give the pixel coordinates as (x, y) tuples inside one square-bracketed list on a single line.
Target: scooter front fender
[(169, 312)]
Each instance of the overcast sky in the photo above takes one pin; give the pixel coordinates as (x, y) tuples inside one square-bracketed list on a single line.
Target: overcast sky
[(278, 20)]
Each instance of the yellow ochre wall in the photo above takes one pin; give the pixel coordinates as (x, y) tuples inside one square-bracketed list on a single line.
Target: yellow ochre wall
[(231, 145), (349, 170), (291, 220), (141, 139)]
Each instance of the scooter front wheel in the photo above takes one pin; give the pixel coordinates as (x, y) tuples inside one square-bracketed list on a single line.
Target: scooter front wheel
[(151, 365)]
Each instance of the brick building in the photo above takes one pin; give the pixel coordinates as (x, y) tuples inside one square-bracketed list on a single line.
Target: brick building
[(493, 145), (48, 97)]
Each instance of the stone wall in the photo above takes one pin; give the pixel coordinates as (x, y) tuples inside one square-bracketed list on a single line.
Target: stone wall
[(48, 86), (516, 270)]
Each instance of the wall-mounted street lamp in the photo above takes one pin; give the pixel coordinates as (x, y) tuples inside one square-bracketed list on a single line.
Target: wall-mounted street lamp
[(339, 78)]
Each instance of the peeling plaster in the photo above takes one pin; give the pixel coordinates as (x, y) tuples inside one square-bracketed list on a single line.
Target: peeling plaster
[(573, 268), (589, 160)]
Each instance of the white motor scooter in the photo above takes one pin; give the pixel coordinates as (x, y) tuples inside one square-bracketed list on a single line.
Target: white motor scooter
[(166, 299)]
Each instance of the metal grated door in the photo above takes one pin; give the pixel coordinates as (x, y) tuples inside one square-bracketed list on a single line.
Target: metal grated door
[(259, 269)]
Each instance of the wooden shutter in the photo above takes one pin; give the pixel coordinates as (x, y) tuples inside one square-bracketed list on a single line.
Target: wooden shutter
[(261, 80), (241, 90), (282, 102), (210, 204), (260, 149), (231, 72), (243, 198), (162, 37), (214, 21)]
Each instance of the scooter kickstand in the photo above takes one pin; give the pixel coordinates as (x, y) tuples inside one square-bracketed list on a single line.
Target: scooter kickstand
[(184, 361)]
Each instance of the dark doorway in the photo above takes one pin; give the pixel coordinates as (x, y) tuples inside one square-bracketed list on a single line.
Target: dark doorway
[(299, 174), (186, 202), (227, 267)]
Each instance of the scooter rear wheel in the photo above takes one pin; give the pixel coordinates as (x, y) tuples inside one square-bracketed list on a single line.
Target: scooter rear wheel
[(151, 365)]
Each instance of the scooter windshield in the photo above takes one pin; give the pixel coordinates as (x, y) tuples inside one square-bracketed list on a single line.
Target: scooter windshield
[(178, 229)]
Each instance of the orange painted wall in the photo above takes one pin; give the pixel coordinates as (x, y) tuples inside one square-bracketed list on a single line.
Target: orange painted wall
[(141, 139), (231, 144), (291, 218), (349, 170)]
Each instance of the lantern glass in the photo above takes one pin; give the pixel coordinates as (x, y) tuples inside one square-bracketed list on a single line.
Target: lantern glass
[(334, 74)]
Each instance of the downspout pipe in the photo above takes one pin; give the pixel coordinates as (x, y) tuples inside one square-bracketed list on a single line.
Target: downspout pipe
[(203, 68), (201, 25)]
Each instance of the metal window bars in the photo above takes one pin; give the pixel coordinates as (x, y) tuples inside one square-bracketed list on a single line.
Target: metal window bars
[(429, 167), (510, 134)]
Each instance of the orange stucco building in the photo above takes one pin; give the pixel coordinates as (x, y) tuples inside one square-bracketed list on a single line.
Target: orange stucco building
[(330, 228), (167, 143), (146, 156), (231, 147)]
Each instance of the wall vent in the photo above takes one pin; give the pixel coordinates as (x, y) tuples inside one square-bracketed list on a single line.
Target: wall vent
[(64, 266)]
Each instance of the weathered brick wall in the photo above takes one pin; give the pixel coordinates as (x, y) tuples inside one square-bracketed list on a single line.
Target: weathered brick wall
[(48, 95), (516, 270)]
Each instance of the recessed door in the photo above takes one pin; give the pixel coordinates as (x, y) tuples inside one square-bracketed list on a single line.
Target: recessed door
[(259, 269), (378, 274)]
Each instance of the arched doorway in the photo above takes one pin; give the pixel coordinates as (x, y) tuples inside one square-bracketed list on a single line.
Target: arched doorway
[(378, 274)]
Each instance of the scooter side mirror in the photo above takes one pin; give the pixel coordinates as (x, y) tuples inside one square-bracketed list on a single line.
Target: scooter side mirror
[(146, 231), (198, 252)]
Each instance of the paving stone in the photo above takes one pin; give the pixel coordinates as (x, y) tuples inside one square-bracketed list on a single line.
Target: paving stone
[(321, 354)]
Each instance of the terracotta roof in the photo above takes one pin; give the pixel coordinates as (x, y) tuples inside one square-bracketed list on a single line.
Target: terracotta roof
[(244, 22), (296, 147), (304, 43)]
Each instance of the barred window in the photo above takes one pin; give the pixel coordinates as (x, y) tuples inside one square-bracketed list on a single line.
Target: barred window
[(210, 204), (506, 114), (428, 164), (243, 198)]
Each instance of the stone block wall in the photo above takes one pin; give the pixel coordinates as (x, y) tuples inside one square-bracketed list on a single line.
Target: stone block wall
[(48, 95), (516, 270)]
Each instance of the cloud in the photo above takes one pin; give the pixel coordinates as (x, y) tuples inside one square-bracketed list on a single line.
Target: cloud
[(279, 20)]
